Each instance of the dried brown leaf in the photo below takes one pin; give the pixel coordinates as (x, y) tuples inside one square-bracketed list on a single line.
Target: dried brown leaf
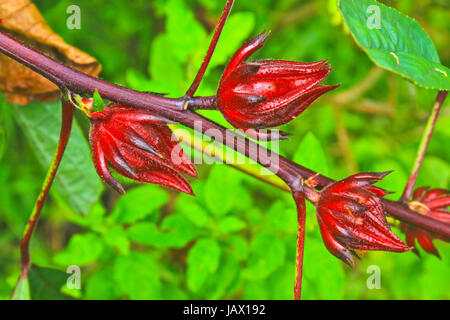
[(23, 21)]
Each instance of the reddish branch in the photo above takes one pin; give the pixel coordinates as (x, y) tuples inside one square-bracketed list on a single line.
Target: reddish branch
[(71, 80)]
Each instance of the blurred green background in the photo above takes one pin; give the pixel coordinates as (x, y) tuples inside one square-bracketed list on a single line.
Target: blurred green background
[(236, 238)]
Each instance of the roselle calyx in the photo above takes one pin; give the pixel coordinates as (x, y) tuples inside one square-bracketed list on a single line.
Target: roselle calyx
[(138, 145), (268, 93), (433, 203), (351, 217)]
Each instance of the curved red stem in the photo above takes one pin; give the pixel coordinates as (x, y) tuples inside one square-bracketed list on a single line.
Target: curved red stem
[(212, 46), (66, 126), (299, 198)]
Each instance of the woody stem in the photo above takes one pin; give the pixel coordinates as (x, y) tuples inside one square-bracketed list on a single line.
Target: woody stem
[(203, 103), (426, 137)]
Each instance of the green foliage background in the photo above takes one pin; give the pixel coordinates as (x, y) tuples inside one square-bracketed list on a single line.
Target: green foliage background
[(236, 238)]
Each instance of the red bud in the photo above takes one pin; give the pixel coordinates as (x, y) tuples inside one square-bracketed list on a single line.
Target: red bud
[(138, 145), (351, 217), (268, 93), (433, 203)]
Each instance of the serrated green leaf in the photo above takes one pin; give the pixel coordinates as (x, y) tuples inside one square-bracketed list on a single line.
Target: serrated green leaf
[(223, 189), (76, 179), (266, 254), (171, 291), (395, 42), (101, 285), (323, 276), (239, 247), (282, 218), (202, 261), (137, 276), (230, 224), (192, 210), (81, 250), (175, 236), (179, 20), (117, 238), (218, 283), (435, 172), (178, 230), (280, 283), (138, 203), (146, 233), (166, 72)]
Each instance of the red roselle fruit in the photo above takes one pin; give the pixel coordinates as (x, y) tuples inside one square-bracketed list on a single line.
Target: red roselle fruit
[(138, 145), (268, 93), (432, 203), (351, 217)]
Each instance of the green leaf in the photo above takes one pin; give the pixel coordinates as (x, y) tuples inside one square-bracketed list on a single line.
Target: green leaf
[(191, 208), (238, 247), (222, 190), (178, 231), (256, 290), (395, 42), (180, 19), (137, 276), (117, 238), (148, 233), (324, 277), (435, 172), (281, 218), (100, 286), (311, 155), (138, 203), (219, 283), (81, 250), (202, 261), (165, 77), (230, 224), (280, 283), (46, 283), (76, 179), (171, 291), (266, 254)]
